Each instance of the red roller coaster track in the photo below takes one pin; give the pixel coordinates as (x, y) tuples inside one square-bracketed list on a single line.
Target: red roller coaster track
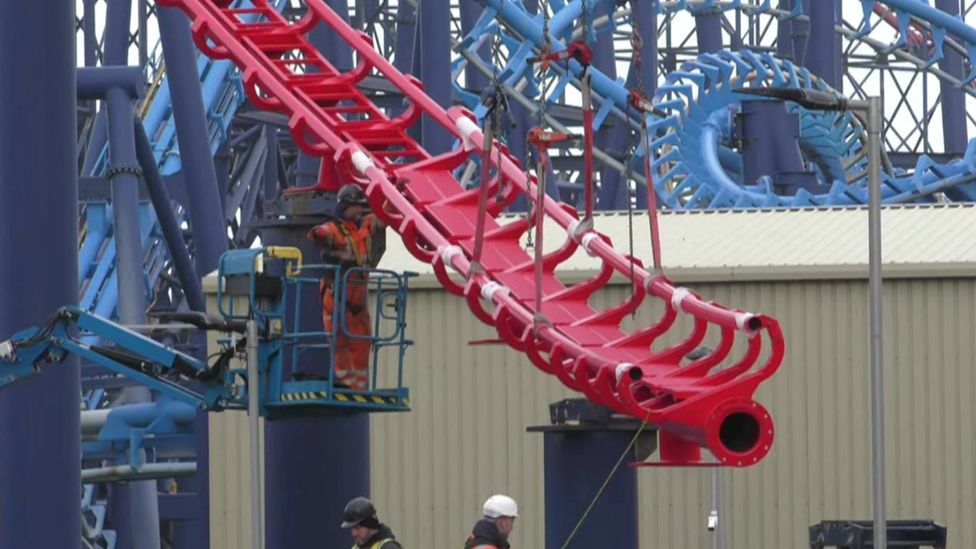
[(705, 402)]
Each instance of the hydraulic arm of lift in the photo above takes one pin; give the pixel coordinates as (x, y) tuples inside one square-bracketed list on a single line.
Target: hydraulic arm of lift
[(254, 285)]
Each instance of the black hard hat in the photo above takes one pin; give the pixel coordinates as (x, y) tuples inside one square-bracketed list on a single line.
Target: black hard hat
[(357, 511), (350, 193)]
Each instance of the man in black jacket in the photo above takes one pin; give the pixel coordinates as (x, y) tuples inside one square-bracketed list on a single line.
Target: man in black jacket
[(366, 530), (492, 531)]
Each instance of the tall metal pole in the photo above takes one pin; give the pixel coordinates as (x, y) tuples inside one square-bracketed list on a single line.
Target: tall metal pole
[(872, 109), (39, 421), (141, 500), (254, 426), (720, 531)]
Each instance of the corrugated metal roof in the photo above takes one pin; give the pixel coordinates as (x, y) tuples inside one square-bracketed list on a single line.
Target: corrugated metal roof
[(917, 240)]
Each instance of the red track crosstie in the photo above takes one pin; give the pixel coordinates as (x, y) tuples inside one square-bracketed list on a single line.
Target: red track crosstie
[(704, 402)]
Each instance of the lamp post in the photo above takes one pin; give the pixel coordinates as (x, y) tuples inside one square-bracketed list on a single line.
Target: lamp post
[(869, 112)]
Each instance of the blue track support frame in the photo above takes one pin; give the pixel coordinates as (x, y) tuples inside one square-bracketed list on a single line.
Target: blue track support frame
[(823, 49), (309, 476), (39, 445), (953, 99), (474, 80), (199, 174), (587, 456)]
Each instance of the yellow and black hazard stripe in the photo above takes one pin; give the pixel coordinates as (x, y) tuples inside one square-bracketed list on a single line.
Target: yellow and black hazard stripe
[(343, 397)]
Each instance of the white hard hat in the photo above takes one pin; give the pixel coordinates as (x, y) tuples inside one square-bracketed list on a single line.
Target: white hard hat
[(500, 506)]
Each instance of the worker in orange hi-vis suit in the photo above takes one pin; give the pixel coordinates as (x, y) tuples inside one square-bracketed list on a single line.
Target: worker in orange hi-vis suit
[(352, 238)]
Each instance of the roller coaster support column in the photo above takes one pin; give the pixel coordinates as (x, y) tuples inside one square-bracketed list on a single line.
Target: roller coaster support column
[(199, 175), (137, 502), (823, 55), (769, 133), (340, 55), (587, 450), (168, 222), (708, 29), (953, 100), (612, 194), (39, 421), (434, 29), (115, 53), (202, 201), (791, 39), (313, 466)]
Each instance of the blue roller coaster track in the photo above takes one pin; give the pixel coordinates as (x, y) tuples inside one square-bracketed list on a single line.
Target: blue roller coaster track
[(694, 166)]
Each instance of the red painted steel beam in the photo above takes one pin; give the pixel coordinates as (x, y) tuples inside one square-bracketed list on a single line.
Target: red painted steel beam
[(707, 402)]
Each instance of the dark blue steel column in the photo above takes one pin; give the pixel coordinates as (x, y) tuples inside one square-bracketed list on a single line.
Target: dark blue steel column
[(613, 194), (791, 35), (434, 28), (199, 176), (708, 29), (769, 134), (114, 51), (40, 446), (953, 98), (313, 466), (202, 197), (140, 500), (406, 33), (586, 457), (823, 55)]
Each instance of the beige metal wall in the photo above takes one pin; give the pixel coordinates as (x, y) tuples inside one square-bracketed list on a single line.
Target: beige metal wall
[(466, 439)]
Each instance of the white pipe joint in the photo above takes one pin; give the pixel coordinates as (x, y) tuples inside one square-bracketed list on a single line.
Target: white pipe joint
[(585, 239), (448, 253), (678, 298), (490, 288), (742, 321), (362, 162), (467, 129), (622, 370)]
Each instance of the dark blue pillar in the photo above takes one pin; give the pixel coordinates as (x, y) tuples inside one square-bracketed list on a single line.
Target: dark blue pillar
[(199, 175), (823, 56), (406, 32), (115, 49), (434, 30), (708, 29), (139, 499), (791, 36), (586, 457), (771, 147), (202, 197), (613, 187), (40, 446), (313, 466), (953, 98)]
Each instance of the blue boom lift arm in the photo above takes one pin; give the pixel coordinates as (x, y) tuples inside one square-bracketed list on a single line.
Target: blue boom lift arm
[(260, 285)]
